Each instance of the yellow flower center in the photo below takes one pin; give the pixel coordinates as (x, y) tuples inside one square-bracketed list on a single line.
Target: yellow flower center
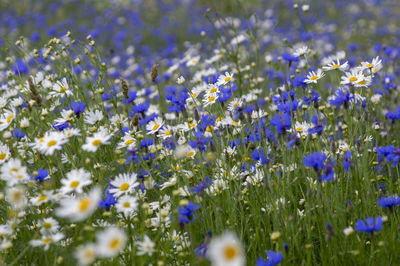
[(42, 198), (115, 243), (352, 79), (74, 184), (14, 169), (190, 154), (96, 142), (192, 125), (227, 79), (211, 99), (209, 128), (118, 122), (129, 142), (126, 205), (47, 240), (9, 118), (194, 95), (314, 77), (84, 204), (213, 90), (2, 156), (299, 128), (124, 187), (362, 82), (51, 143), (231, 252), (47, 225), (155, 127), (168, 133), (63, 89), (89, 253), (375, 69), (335, 66), (369, 65)]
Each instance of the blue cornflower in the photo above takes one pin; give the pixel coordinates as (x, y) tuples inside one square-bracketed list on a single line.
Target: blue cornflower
[(78, 107), (290, 58), (109, 199), (347, 160), (394, 115), (18, 133), (60, 127), (201, 250), (370, 225), (389, 202), (273, 258), (329, 173), (281, 123), (315, 160), (42, 174), (259, 155), (187, 213), (201, 186)]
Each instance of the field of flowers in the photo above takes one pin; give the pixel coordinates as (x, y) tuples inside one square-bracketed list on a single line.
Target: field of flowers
[(199, 132)]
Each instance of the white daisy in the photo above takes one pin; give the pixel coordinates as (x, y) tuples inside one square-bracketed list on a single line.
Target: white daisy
[(48, 226), (226, 250), (210, 99), (92, 117), (75, 180), (46, 240), (154, 126), (50, 142), (60, 89), (13, 172), (127, 205), (16, 197), (224, 79), (127, 141), (110, 242), (78, 209), (336, 65), (312, 77), (94, 142), (146, 246), (352, 77), (6, 118), (123, 184), (375, 65), (86, 254), (4, 153)]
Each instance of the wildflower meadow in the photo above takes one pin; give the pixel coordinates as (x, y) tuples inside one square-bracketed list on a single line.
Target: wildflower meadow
[(199, 132)]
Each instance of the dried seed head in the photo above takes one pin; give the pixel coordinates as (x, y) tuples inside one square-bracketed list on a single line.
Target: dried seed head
[(154, 72), (125, 88)]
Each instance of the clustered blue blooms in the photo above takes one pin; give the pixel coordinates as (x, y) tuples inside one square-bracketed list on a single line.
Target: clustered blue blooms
[(370, 225), (317, 161), (388, 154), (389, 202), (287, 104), (273, 258), (187, 213)]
